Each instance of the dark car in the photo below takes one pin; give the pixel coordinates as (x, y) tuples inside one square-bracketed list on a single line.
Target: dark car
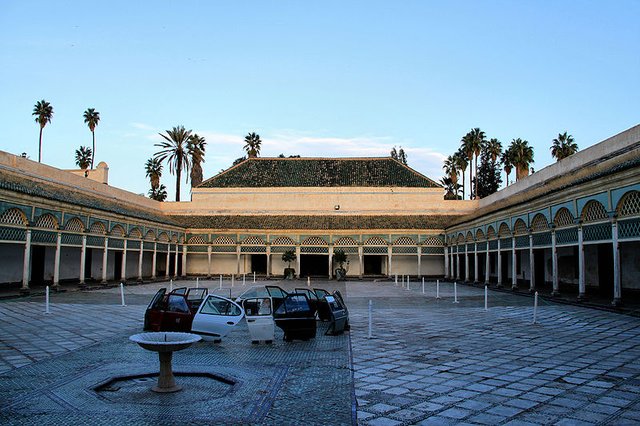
[(311, 295), (173, 311), (295, 317), (324, 312), (339, 314)]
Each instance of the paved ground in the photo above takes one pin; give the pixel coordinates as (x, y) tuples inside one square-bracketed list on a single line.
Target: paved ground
[(428, 362)]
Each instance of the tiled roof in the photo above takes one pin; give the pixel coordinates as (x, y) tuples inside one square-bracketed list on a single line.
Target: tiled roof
[(314, 222), (319, 172), (27, 186)]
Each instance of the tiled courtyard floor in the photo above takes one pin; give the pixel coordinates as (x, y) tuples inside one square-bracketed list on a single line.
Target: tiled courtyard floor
[(428, 362)]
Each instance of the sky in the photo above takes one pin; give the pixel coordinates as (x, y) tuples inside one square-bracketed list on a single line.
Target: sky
[(317, 79)]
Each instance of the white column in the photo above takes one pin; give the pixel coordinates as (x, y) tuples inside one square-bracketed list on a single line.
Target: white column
[(184, 260), (581, 267), (532, 266), (298, 261), (419, 262), (167, 260), (154, 260), (140, 257), (175, 263), (83, 257), (554, 264), (389, 260), (330, 262), (209, 261), (123, 269), (26, 265), (452, 269), (105, 256), (56, 262), (457, 262), (361, 258), (475, 262), (446, 262), (268, 261), (499, 263), (466, 261), (487, 265), (238, 259), (514, 261), (617, 287)]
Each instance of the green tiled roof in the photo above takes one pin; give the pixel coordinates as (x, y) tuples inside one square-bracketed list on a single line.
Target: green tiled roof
[(319, 172), (314, 222)]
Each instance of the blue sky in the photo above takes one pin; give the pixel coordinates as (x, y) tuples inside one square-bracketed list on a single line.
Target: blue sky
[(330, 78)]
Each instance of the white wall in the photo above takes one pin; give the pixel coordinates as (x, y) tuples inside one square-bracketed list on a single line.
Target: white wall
[(432, 265), (223, 264), (12, 256)]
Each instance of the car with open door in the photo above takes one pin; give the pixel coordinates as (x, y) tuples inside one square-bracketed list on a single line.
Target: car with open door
[(295, 317), (311, 295), (259, 315), (324, 311), (339, 314), (276, 294), (173, 311), (216, 317)]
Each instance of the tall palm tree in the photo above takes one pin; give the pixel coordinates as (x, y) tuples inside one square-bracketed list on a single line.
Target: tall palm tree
[(563, 146), (91, 118), (476, 142), (450, 168), (153, 170), (84, 157), (196, 148), (174, 151), (252, 144), (466, 146), (522, 157), (159, 193), (494, 149), (43, 112), (507, 162), (462, 161)]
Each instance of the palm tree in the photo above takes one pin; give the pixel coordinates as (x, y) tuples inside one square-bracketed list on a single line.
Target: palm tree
[(476, 142), (43, 112), (174, 151), (522, 157), (462, 162), (450, 168), (494, 149), (159, 193), (195, 148), (252, 144), (91, 118), (153, 170), (451, 188), (563, 146), (84, 157), (466, 146), (507, 162)]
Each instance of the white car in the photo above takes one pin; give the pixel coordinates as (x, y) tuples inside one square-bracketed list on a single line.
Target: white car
[(215, 318)]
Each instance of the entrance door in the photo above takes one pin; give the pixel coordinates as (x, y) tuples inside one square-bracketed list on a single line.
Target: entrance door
[(505, 268), (88, 261), (259, 263), (605, 269), (117, 265), (538, 260), (373, 264), (314, 265), (37, 264)]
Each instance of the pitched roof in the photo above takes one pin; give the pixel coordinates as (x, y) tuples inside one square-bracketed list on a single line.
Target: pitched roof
[(319, 172), (335, 222)]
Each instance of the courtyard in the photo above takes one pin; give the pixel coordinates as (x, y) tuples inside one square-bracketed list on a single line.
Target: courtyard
[(428, 361)]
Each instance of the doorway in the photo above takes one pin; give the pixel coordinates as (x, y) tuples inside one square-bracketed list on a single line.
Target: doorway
[(373, 264), (313, 265), (117, 265), (259, 263), (37, 264)]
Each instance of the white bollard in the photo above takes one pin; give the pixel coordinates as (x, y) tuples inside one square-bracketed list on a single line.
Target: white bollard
[(486, 308), (220, 281), (422, 285), (437, 289), (244, 279), (46, 303), (370, 312), (455, 292), (170, 286), (122, 293), (308, 281), (254, 277), (535, 307), (408, 288), (197, 282), (396, 284)]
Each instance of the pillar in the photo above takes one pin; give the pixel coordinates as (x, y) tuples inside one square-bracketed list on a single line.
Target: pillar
[(554, 264), (487, 264), (105, 256), (209, 262), (83, 257), (499, 263), (475, 262), (389, 257), (617, 285), (581, 267), (457, 262), (167, 260), (175, 263), (361, 258), (466, 262), (514, 261), (154, 260), (184, 260), (56, 262), (330, 262), (532, 266), (140, 257), (419, 262), (123, 269), (452, 270), (298, 261), (268, 261), (446, 262), (26, 264)]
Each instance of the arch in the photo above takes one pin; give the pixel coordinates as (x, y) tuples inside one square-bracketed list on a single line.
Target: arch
[(375, 241), (49, 221), (14, 216), (520, 228), (174, 238), (253, 240), (460, 238), (98, 228), (491, 233), (504, 230), (629, 204), (163, 237), (150, 235), (117, 231), (404, 241), (135, 233), (197, 239), (181, 239), (345, 241), (479, 234), (283, 241), (432, 241), (223, 239), (314, 241), (469, 237), (539, 223), (74, 225), (563, 218), (594, 211)]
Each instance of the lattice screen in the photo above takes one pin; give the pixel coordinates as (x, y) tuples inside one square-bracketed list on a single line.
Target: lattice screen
[(345, 241), (563, 218), (117, 231), (491, 233), (629, 205), (283, 241), (314, 241), (504, 230), (253, 240), (150, 236), (375, 241), (197, 239), (163, 237), (13, 217), (520, 227), (224, 239), (539, 223), (594, 211), (135, 233), (460, 239), (49, 221), (405, 241), (479, 235), (433, 241), (469, 237), (74, 225), (97, 228)]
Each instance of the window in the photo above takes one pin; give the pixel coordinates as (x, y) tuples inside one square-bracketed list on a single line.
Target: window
[(177, 304), (217, 306)]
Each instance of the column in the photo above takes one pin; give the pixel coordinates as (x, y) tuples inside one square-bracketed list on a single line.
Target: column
[(487, 264), (554, 264), (361, 258), (238, 259), (140, 257), (617, 285), (123, 269), (457, 262), (56, 262), (26, 265), (184, 260), (105, 254), (167, 260), (268, 261), (581, 267), (154, 260), (466, 262), (475, 262), (452, 270), (532, 266), (419, 262), (175, 263), (209, 261), (514, 262), (499, 263), (298, 261), (389, 257), (83, 257), (330, 262), (446, 262)]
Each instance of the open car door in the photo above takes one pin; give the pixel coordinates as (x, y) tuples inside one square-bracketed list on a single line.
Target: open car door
[(311, 295), (216, 317), (153, 314), (295, 317), (324, 311), (259, 314), (277, 295), (339, 315)]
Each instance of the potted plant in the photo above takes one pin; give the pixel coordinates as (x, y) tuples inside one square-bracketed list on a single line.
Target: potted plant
[(289, 256), (340, 257)]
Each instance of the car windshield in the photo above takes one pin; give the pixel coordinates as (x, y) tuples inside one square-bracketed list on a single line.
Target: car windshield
[(177, 304), (219, 306), (294, 303), (254, 292), (196, 293)]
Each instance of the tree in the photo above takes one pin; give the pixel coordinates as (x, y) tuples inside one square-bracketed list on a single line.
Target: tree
[(477, 140), (252, 144), (43, 112), (507, 162), (451, 188), (83, 157), (399, 155), (451, 169), (91, 118), (461, 161), (522, 157), (288, 256), (174, 151), (488, 177), (153, 170), (159, 193), (563, 146), (466, 146), (494, 149), (196, 148)]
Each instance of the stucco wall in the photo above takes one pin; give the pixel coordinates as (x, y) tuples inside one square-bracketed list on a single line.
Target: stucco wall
[(12, 256)]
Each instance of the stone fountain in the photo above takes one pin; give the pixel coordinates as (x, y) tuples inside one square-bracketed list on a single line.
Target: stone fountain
[(165, 343)]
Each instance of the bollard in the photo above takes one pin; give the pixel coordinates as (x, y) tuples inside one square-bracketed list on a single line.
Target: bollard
[(437, 289), (233, 279), (408, 285), (46, 303), (220, 281), (197, 282), (535, 307), (243, 279), (170, 286), (485, 298), (396, 284), (455, 292), (254, 277), (422, 285), (370, 311), (309, 281), (122, 293)]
